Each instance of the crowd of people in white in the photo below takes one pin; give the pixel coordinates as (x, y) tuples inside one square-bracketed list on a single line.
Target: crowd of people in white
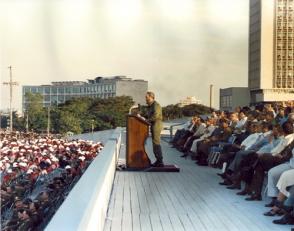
[(37, 174)]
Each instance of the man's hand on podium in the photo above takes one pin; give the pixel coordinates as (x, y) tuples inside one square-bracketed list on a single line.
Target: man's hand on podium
[(141, 117)]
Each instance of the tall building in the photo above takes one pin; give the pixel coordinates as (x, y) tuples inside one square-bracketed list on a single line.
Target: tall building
[(271, 47), (59, 92)]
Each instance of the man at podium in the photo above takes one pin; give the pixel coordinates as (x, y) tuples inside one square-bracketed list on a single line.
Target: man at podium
[(154, 117)]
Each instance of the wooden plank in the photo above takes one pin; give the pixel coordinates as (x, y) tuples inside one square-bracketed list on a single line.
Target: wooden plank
[(144, 206), (135, 204), (107, 225), (136, 222), (161, 208), (148, 193), (155, 222), (176, 222), (145, 222), (163, 200), (113, 197), (166, 222), (118, 205), (127, 217)]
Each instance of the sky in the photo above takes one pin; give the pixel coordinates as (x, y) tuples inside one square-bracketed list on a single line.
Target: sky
[(179, 46)]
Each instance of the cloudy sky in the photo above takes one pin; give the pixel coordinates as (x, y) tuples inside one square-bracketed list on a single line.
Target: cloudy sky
[(179, 46)]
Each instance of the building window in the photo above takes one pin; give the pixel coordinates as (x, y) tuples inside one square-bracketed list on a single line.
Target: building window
[(47, 98), (76, 90), (47, 90), (54, 90), (54, 99), (61, 90), (67, 97), (68, 90), (34, 90), (40, 90), (61, 98)]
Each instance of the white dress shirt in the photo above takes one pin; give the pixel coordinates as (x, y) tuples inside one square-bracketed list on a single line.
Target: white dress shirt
[(250, 140), (241, 123), (282, 145), (201, 129)]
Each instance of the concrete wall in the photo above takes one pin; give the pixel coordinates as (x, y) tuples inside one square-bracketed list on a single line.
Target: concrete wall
[(85, 208), (240, 96), (254, 44), (267, 44)]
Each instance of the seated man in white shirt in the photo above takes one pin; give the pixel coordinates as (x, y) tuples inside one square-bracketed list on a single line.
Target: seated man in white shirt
[(198, 133), (241, 123), (210, 127)]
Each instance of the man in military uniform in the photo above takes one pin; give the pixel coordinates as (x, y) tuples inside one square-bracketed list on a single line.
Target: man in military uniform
[(155, 119)]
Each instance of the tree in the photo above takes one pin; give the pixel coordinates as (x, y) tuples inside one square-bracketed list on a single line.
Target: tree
[(172, 112), (69, 122), (36, 113), (111, 111), (195, 109)]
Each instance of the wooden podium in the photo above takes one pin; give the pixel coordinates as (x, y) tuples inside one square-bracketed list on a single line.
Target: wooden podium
[(137, 133), (136, 156)]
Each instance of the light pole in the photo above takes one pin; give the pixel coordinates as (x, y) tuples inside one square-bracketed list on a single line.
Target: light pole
[(92, 126), (27, 121), (210, 95), (11, 84), (48, 122)]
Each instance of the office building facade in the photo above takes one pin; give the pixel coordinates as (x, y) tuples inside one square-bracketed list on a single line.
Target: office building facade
[(100, 87), (271, 50)]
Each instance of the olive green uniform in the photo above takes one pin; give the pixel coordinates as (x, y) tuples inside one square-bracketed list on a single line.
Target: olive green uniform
[(155, 119)]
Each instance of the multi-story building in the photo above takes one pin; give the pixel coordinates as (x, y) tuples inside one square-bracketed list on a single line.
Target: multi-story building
[(233, 97), (59, 92), (271, 50)]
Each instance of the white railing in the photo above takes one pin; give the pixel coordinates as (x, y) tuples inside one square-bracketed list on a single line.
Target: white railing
[(85, 208)]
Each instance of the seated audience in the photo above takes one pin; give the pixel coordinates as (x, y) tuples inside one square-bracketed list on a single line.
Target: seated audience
[(37, 174)]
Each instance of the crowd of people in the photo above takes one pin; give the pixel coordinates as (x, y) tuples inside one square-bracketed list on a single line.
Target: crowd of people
[(254, 147), (37, 173)]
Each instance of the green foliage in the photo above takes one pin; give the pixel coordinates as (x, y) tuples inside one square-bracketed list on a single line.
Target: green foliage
[(195, 109), (82, 114), (69, 122), (112, 111), (36, 113), (171, 112)]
